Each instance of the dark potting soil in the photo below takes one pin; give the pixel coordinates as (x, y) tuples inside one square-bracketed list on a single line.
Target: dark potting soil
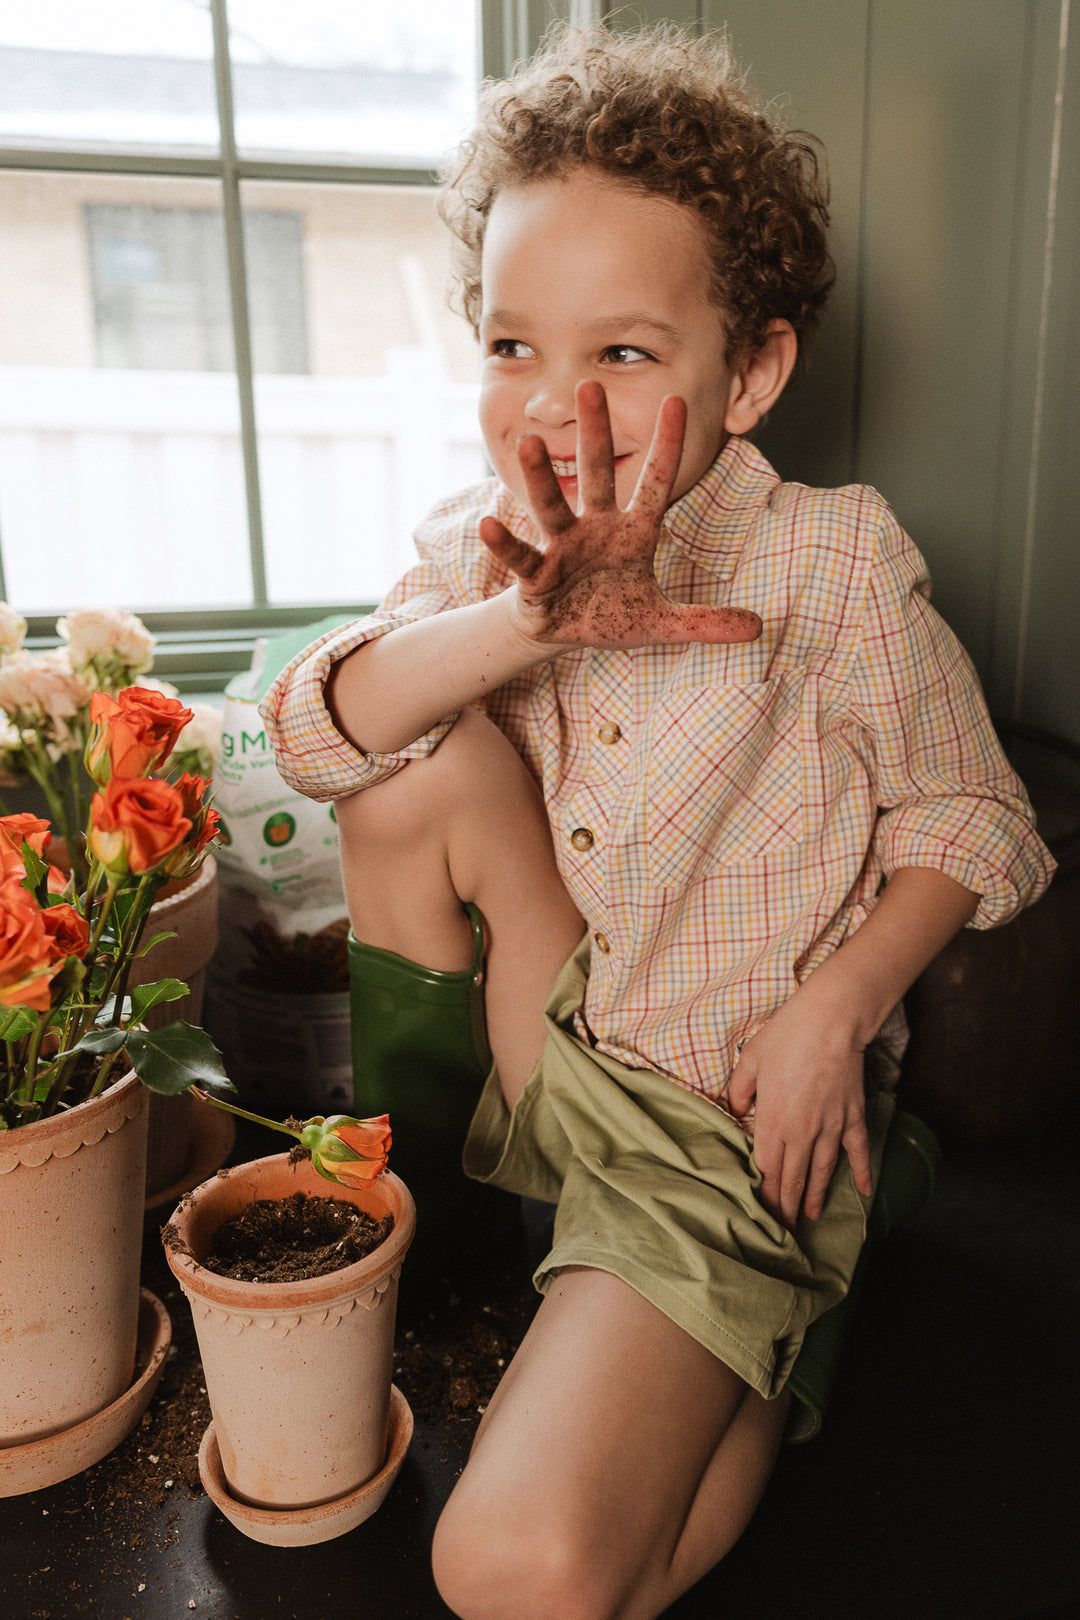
[(289, 1239)]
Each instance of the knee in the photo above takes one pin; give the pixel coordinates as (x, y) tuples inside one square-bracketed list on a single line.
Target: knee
[(396, 808), (505, 1566)]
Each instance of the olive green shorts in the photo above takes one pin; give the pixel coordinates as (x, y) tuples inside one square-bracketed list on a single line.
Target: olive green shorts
[(657, 1185)]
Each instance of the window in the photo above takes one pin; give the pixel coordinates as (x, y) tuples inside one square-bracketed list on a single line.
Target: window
[(161, 291), (229, 384)]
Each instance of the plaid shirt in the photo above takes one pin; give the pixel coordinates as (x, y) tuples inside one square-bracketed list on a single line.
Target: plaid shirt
[(724, 816)]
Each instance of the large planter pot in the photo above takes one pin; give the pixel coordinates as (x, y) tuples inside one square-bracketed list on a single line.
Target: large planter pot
[(74, 1376), (186, 1139), (307, 1434), (995, 1027)]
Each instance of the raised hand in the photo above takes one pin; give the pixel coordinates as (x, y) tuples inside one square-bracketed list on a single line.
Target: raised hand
[(593, 584)]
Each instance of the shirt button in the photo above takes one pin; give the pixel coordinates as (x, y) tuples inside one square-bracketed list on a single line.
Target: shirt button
[(603, 944), (582, 838), (609, 732)]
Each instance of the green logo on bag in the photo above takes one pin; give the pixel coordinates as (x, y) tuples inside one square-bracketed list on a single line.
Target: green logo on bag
[(278, 829)]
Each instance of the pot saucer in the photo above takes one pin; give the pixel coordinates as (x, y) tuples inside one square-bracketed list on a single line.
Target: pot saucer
[(40, 1463), (303, 1527), (213, 1133)]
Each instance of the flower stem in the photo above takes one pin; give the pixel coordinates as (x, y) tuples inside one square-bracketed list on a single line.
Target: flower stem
[(44, 773), (126, 955), (102, 1075), (102, 917), (242, 1113), (32, 1052)]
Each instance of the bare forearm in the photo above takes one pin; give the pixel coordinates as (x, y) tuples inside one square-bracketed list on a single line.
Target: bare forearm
[(918, 913), (391, 690)]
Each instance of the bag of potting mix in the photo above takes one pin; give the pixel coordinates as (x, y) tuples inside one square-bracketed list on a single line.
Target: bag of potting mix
[(277, 993)]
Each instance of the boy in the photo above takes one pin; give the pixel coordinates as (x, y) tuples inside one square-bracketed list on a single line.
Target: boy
[(767, 817)]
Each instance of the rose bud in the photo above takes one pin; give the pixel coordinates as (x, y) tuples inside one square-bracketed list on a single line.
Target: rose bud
[(351, 1151)]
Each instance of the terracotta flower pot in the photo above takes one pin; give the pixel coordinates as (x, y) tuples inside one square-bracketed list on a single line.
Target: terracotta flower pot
[(307, 1435), (71, 1202)]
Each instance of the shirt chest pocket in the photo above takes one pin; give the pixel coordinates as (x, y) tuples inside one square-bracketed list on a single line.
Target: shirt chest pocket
[(724, 782)]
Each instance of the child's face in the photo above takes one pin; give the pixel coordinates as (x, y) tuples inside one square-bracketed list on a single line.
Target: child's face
[(585, 278)]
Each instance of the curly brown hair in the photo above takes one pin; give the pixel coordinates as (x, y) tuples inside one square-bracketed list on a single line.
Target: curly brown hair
[(667, 113)]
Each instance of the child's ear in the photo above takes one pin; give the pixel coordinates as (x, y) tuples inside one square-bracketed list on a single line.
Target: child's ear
[(760, 379)]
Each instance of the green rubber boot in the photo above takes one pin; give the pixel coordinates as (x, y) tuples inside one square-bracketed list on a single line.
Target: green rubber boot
[(420, 1054), (909, 1171)]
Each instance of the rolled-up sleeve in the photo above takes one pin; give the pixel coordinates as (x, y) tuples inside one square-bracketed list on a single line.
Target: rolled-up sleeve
[(309, 751), (947, 796)]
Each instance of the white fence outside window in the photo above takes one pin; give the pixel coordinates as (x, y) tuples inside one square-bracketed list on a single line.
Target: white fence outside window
[(127, 486)]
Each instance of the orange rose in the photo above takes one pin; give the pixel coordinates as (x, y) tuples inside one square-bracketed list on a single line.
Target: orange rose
[(204, 827), (135, 823), (69, 934), (13, 830), (352, 1151), (27, 962), (134, 733)]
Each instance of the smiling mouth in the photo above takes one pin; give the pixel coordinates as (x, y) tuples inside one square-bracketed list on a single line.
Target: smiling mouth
[(568, 469)]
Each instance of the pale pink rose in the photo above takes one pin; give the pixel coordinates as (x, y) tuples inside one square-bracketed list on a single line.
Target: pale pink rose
[(43, 686), (166, 688), (107, 633), (17, 696), (12, 630), (202, 735), (10, 744)]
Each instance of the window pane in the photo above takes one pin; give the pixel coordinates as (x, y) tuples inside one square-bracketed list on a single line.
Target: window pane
[(106, 73), (121, 478), (161, 298), (369, 82), (354, 452)]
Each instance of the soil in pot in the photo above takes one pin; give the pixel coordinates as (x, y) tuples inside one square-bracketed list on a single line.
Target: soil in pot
[(289, 1239)]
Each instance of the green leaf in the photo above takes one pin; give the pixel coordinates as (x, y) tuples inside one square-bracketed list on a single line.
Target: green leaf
[(170, 1060), (97, 1041), (145, 996), (148, 945), (20, 1025), (37, 874)]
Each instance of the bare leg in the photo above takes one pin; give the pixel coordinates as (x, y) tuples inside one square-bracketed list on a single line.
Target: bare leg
[(466, 823), (617, 1463)]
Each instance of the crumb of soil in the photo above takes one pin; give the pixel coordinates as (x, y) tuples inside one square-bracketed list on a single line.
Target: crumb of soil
[(290, 1239), (449, 1361)]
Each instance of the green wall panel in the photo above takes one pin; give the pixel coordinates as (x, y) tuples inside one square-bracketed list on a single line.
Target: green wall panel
[(946, 97), (815, 70), (1034, 670), (1049, 686)]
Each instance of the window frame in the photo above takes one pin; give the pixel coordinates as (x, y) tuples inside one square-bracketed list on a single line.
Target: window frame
[(201, 651)]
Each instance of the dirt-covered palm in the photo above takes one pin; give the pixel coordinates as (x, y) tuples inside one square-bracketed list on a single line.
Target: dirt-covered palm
[(593, 585)]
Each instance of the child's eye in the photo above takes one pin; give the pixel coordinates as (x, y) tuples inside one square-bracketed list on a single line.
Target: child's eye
[(510, 349), (625, 354)]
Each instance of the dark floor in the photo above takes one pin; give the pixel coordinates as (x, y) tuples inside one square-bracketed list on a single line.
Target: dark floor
[(945, 1484)]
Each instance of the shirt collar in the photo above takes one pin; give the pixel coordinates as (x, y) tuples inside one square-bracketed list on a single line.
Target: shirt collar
[(709, 523)]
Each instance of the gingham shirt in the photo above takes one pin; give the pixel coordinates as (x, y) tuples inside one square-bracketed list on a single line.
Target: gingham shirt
[(742, 803)]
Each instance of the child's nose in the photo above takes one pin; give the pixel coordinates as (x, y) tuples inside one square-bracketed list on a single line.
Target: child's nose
[(552, 402)]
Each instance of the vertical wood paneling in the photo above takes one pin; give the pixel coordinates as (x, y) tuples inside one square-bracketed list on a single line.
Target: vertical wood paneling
[(817, 74), (946, 99), (687, 13), (1034, 670)]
